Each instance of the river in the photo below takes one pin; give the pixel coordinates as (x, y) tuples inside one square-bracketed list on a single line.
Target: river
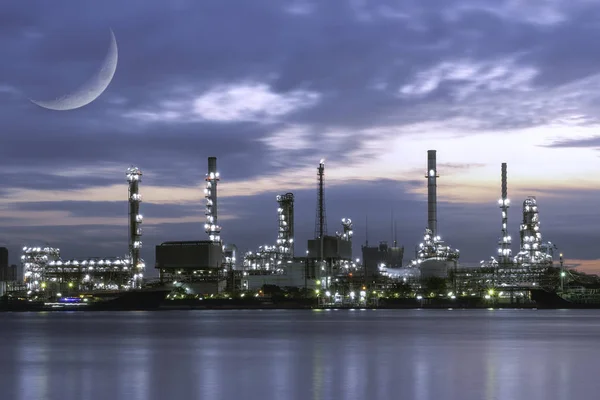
[(285, 355)]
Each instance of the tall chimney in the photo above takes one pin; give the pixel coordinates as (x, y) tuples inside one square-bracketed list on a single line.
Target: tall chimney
[(432, 191), (504, 189)]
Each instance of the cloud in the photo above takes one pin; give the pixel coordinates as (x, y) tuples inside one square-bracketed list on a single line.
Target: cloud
[(227, 103), (544, 13), (250, 102), (586, 266), (470, 77), (273, 88)]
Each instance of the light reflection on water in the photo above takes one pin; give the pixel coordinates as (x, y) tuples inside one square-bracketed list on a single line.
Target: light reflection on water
[(213, 355)]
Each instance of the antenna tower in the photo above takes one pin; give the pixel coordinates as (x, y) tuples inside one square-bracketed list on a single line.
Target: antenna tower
[(321, 219)]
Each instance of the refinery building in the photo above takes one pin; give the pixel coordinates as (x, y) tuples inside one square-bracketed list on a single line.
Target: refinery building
[(211, 266)]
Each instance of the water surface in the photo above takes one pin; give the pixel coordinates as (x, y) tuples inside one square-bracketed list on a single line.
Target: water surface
[(285, 355)]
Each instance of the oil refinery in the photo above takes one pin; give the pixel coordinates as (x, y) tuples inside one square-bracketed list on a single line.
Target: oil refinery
[(45, 271), (328, 273)]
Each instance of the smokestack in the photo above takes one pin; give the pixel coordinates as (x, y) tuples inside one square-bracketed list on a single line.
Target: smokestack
[(504, 190), (432, 191)]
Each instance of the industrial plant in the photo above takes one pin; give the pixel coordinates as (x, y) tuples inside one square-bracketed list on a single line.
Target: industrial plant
[(327, 272), (44, 270)]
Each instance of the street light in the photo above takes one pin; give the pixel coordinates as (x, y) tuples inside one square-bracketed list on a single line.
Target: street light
[(562, 274)]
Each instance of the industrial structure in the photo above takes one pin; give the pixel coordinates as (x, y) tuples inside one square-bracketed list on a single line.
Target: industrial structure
[(45, 271), (199, 265), (327, 269), (321, 218), (504, 251), (530, 268), (377, 261), (434, 259), (285, 218), (328, 258), (270, 258), (533, 251), (212, 227), (276, 264), (134, 177), (431, 177), (8, 273)]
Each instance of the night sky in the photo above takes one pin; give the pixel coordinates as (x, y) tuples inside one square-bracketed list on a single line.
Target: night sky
[(270, 88)]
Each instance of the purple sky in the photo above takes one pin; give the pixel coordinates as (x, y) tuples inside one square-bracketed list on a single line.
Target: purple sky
[(272, 87)]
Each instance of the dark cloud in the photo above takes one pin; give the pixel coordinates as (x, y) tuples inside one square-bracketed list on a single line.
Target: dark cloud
[(574, 143), (112, 209), (36, 180)]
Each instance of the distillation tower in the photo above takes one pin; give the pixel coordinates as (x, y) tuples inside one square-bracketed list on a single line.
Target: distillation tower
[(268, 259), (134, 177), (347, 231), (533, 252), (433, 256), (212, 227), (504, 244), (285, 218), (45, 270)]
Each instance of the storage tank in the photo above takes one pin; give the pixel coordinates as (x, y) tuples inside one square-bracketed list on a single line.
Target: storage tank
[(435, 268)]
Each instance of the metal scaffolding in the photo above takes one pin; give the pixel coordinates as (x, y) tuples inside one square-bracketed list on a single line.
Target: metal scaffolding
[(321, 218), (504, 251), (212, 227), (35, 261), (134, 177), (285, 221), (533, 252)]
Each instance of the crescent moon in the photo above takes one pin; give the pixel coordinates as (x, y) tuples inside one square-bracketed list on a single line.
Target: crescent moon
[(92, 89)]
